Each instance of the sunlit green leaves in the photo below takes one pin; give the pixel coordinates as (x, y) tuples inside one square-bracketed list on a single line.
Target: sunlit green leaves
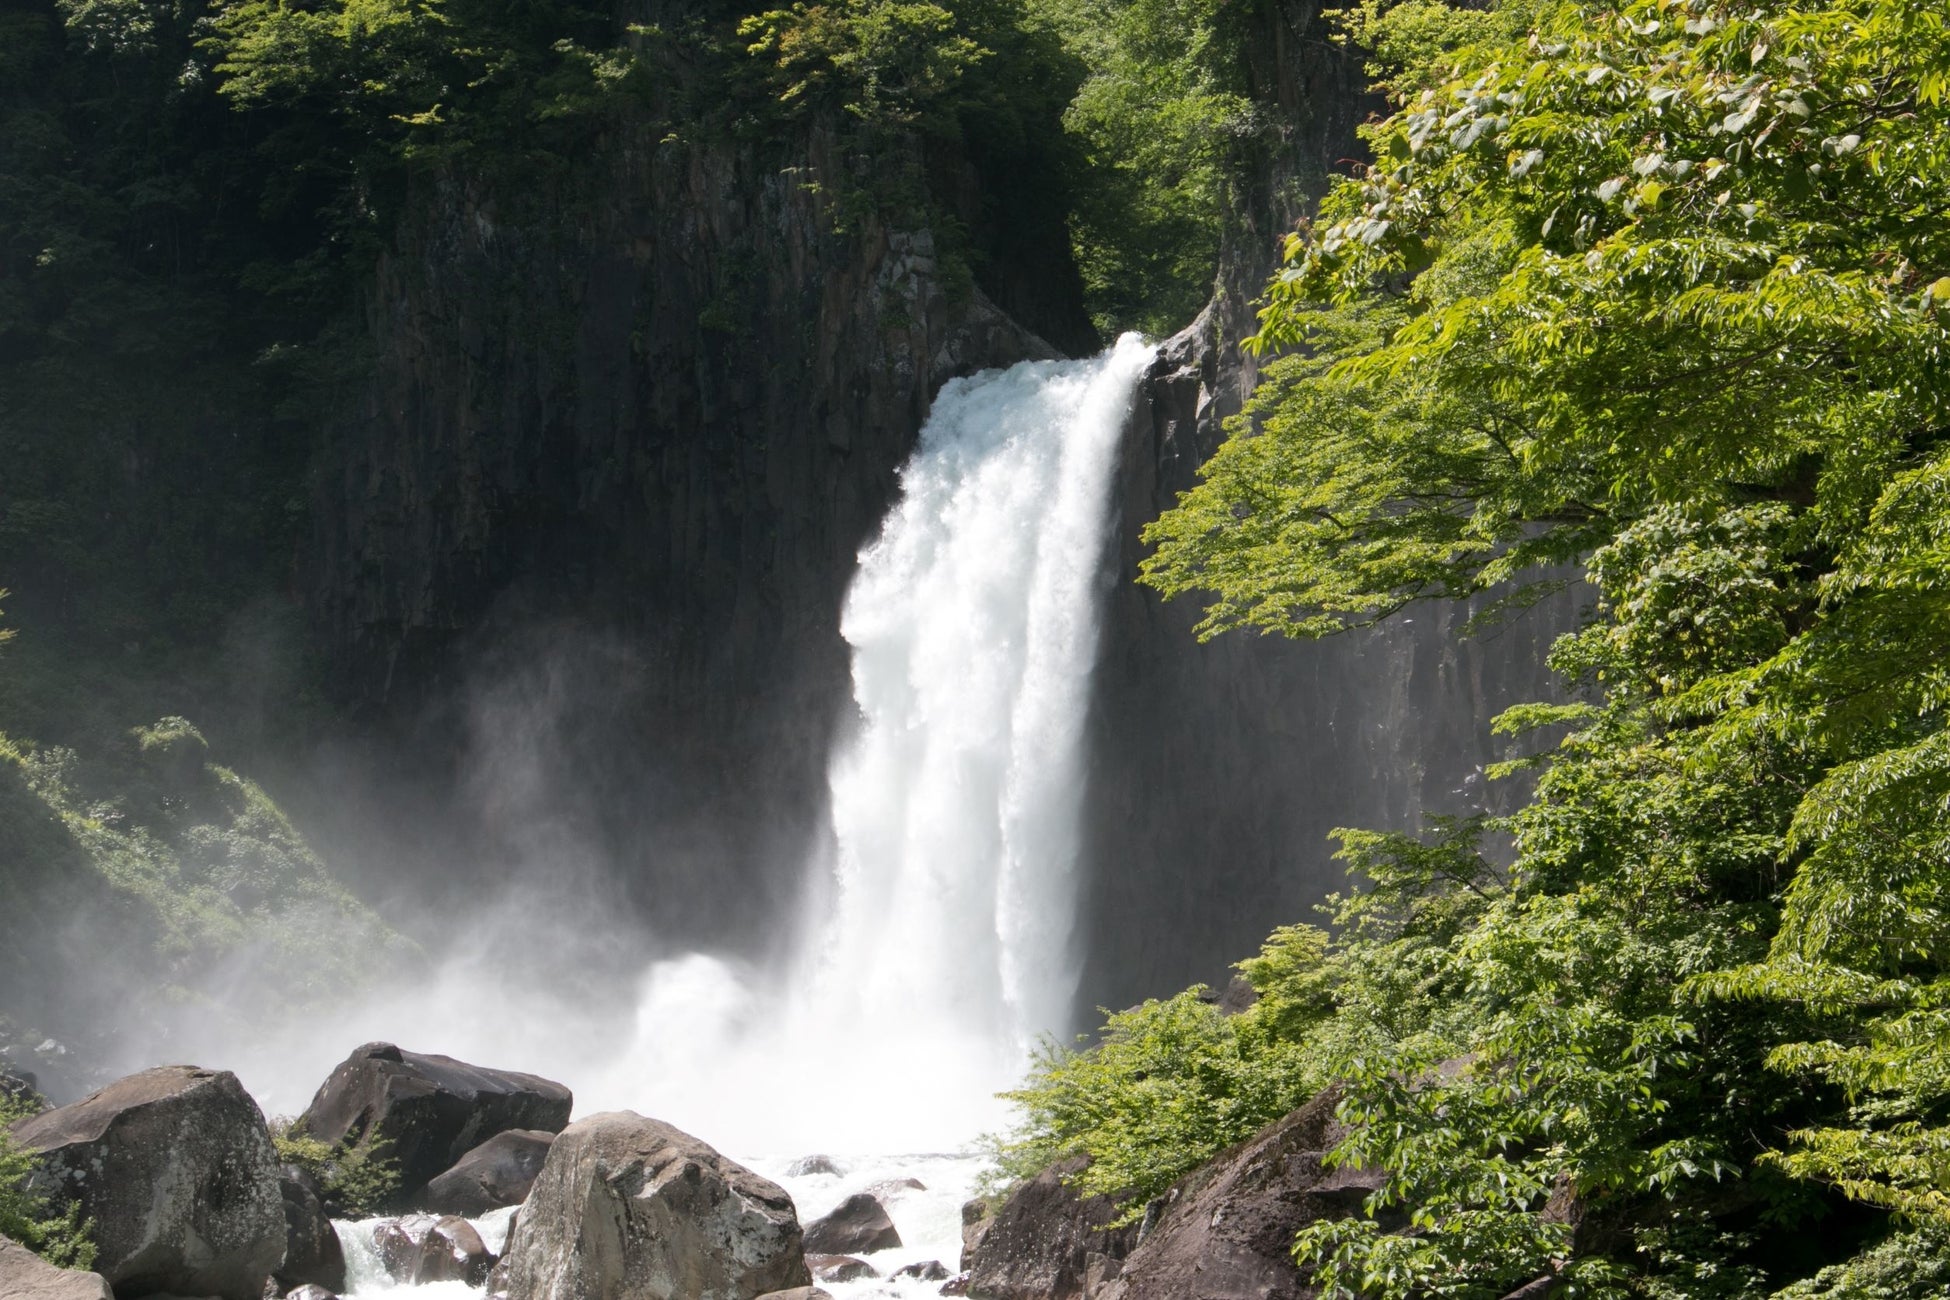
[(1653, 288)]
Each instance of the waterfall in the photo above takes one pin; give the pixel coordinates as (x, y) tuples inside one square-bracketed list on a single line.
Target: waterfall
[(937, 942), (934, 942), (973, 625)]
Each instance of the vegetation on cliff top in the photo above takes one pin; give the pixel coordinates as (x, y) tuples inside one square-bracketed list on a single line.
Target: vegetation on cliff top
[(166, 887), (1657, 289)]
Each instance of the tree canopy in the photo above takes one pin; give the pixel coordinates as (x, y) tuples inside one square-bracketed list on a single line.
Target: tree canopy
[(1657, 291)]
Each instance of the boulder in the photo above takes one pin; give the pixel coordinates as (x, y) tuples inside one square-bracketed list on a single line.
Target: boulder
[(1039, 1241), (807, 1165), (975, 1220), (26, 1276), (893, 1188), (454, 1252), (428, 1110), (798, 1293), (930, 1270), (1223, 1232), (312, 1251), (628, 1208), (495, 1174), (956, 1285), (20, 1086), (858, 1226), (176, 1169), (422, 1248), (840, 1268)]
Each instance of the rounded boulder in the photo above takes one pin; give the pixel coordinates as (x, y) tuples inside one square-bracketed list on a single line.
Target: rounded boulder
[(495, 1174), (427, 1110), (175, 1168), (628, 1208)]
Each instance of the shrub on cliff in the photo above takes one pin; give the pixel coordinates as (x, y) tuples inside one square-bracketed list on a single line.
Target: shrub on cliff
[(355, 1181)]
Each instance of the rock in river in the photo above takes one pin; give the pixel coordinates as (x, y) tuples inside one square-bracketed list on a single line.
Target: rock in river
[(312, 1252), (175, 1167), (429, 1110), (496, 1173), (422, 1248), (859, 1225), (628, 1208), (840, 1268)]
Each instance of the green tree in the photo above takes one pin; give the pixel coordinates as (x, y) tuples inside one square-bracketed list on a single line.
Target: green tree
[(1655, 288)]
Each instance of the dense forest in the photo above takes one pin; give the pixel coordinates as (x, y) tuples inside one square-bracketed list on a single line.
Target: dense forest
[(1644, 301), (1655, 290)]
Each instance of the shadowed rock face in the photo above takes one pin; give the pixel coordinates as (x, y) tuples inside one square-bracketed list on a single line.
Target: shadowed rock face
[(628, 1208), (429, 1110), (630, 433), (1225, 1231), (1219, 770), (1043, 1241), (175, 1168), (496, 1173)]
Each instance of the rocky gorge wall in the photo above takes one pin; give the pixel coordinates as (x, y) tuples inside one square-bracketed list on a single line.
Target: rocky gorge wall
[(1220, 770), (595, 510), (601, 497)]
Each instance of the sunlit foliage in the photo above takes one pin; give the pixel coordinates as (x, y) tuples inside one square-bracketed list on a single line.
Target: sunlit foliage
[(1657, 289)]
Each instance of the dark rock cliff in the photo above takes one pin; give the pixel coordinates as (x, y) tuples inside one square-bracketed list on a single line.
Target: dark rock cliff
[(586, 530), (1219, 770), (619, 448)]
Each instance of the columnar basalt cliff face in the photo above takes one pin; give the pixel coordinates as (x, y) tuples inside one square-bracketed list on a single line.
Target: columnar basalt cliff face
[(628, 438), (1220, 770)]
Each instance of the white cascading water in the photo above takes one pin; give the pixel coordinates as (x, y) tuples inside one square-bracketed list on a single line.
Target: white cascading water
[(937, 947), (973, 622)]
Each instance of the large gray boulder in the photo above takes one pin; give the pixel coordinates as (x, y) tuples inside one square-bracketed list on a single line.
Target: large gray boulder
[(496, 1173), (628, 1208), (1044, 1240), (428, 1110), (312, 1251), (26, 1276), (175, 1167), (857, 1226)]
